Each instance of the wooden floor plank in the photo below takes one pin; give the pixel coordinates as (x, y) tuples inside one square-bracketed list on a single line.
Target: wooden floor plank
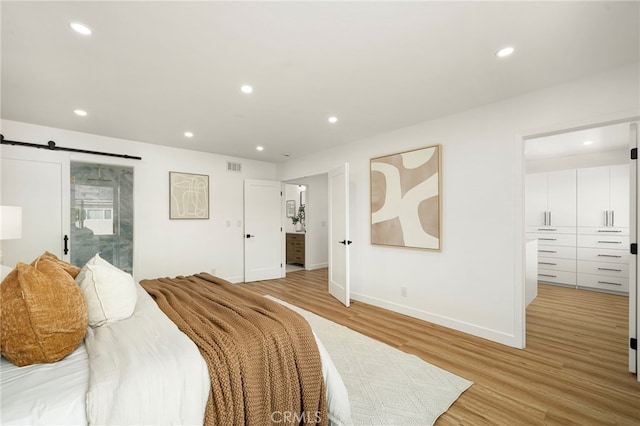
[(573, 371)]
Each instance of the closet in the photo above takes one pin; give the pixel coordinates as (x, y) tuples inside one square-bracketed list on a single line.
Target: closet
[(551, 219), (603, 228), (581, 220)]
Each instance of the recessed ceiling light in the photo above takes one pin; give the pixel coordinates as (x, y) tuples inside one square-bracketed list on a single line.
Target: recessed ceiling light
[(188, 134), (80, 112), (260, 148), (333, 120), (505, 52), (587, 142), (245, 88), (80, 28)]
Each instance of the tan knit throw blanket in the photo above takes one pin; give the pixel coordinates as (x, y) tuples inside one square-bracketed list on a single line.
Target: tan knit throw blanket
[(263, 361)]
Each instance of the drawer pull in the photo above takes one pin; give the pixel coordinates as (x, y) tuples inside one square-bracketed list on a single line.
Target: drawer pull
[(609, 269), (607, 230), (547, 229), (548, 239), (607, 282), (547, 251), (610, 242), (609, 255), (547, 263), (547, 275)]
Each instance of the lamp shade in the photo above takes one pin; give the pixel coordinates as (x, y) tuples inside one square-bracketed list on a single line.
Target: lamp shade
[(10, 222)]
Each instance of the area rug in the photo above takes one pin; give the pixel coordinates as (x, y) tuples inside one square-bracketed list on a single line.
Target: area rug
[(386, 386)]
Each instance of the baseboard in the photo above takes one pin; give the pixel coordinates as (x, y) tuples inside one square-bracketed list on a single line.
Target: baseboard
[(317, 266), (465, 327)]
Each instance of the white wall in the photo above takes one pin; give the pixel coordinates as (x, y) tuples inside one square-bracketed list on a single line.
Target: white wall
[(476, 283), (164, 247)]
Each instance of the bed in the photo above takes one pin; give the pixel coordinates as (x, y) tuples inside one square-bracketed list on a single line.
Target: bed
[(148, 368)]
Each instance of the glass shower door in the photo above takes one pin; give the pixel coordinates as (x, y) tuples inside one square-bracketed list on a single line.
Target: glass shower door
[(102, 214)]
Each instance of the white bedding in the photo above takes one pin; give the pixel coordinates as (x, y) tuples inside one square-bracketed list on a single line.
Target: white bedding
[(144, 366), (45, 394), (144, 370)]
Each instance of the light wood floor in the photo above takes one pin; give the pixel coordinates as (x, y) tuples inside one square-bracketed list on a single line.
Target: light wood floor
[(573, 371)]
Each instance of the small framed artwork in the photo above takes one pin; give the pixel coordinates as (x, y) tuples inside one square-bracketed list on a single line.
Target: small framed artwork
[(406, 199), (291, 208), (188, 196)]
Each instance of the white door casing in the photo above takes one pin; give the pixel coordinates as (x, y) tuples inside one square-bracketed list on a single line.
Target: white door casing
[(634, 184), (339, 243), (262, 230)]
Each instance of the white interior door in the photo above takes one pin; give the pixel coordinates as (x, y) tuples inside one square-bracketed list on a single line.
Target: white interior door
[(262, 230), (634, 321), (41, 189), (339, 234)]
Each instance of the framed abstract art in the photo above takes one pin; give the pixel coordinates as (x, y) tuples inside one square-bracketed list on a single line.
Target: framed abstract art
[(406, 202), (188, 196)]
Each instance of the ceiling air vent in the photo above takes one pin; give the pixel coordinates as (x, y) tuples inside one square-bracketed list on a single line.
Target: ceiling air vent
[(234, 167)]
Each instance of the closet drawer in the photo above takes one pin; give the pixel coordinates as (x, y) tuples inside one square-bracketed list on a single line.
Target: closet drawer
[(618, 270), (555, 239), (563, 252), (551, 229), (568, 265), (603, 255), (557, 277), (602, 231), (604, 283), (619, 242)]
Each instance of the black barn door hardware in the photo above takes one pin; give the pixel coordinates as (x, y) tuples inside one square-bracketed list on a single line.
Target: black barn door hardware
[(51, 145)]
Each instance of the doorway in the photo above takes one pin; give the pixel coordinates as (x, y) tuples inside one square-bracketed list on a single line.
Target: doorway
[(577, 206), (101, 200), (312, 193)]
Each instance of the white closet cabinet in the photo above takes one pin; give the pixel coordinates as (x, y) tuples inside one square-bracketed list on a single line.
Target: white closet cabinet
[(551, 219), (551, 198), (581, 221), (603, 196), (603, 228), (619, 195)]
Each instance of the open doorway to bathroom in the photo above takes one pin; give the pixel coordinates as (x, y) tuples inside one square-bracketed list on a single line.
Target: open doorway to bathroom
[(306, 242)]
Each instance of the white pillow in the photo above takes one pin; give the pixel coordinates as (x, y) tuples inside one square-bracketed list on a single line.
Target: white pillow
[(110, 293)]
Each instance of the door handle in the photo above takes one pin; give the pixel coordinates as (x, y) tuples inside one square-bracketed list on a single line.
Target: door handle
[(250, 236), (66, 244), (345, 242)]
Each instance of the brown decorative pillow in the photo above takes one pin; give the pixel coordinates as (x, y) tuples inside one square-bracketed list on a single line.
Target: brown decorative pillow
[(44, 315), (72, 270)]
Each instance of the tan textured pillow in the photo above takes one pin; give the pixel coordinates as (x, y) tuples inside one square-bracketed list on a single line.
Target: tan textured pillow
[(43, 314), (72, 270)]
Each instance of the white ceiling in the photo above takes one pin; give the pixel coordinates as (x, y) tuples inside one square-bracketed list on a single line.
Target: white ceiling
[(153, 70)]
